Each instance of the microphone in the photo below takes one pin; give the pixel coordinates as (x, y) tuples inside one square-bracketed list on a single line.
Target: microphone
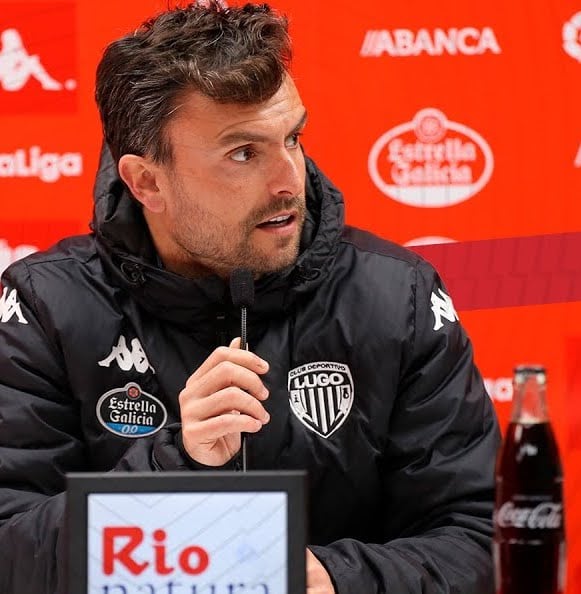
[(242, 293)]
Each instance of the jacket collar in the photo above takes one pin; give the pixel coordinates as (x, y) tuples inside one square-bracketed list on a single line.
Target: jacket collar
[(129, 256)]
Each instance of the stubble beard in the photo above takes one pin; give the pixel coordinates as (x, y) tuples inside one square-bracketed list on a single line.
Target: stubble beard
[(205, 248)]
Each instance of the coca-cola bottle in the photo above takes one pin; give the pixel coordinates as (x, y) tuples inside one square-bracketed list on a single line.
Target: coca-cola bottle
[(529, 538)]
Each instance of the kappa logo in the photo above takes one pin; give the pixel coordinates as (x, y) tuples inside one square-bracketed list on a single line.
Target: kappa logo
[(38, 71), (10, 307), (321, 395), (572, 37), (17, 66), (128, 358), (430, 162), (469, 41), (442, 307)]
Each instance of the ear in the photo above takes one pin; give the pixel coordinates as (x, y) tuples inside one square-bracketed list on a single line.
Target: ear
[(141, 177)]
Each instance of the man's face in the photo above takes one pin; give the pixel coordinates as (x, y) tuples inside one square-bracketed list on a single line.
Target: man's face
[(235, 192)]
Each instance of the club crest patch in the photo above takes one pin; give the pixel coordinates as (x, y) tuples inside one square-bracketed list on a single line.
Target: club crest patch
[(321, 395), (131, 412)]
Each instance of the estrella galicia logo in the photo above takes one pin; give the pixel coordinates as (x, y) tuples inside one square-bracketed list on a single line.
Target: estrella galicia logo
[(131, 412), (321, 395)]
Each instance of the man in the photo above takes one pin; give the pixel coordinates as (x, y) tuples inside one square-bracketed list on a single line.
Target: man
[(203, 123)]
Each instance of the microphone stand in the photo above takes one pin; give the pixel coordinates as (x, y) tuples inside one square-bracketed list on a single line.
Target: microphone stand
[(242, 293), (243, 346)]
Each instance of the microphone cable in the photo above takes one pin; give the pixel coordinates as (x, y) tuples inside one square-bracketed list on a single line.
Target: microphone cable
[(242, 293)]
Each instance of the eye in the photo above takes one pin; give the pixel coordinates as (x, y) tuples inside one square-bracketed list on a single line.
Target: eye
[(242, 155), (293, 140)]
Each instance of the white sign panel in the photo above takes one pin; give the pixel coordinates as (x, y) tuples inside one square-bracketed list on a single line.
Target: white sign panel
[(187, 543)]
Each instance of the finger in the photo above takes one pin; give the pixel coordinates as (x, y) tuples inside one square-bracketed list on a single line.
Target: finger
[(235, 355), (313, 566), (318, 580), (213, 429), (235, 343), (223, 402), (311, 561), (224, 375)]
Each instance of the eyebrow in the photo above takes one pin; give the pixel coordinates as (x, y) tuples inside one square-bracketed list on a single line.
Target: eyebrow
[(245, 137)]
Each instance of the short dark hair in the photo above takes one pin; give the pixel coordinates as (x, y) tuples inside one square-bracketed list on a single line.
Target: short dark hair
[(232, 55)]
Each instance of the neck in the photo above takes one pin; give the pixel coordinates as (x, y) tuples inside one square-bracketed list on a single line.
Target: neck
[(175, 258)]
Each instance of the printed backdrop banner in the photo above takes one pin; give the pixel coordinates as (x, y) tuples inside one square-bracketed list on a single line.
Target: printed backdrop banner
[(452, 128)]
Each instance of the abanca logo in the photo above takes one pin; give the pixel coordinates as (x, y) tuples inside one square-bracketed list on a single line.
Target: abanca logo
[(38, 57), (572, 36), (404, 42), (430, 162)]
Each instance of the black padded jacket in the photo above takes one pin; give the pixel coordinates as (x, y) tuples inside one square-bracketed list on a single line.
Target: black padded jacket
[(373, 391)]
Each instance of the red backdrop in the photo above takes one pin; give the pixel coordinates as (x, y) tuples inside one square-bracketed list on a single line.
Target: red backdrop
[(439, 121)]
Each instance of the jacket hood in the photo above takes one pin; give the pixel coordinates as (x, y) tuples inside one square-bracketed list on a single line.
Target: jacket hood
[(129, 256)]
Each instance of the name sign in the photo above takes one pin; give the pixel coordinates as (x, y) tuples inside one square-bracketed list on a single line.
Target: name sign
[(201, 533)]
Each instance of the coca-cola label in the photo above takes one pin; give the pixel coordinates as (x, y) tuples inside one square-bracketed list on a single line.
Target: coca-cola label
[(545, 516)]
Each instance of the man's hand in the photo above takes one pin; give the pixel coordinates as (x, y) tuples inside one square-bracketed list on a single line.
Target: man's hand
[(222, 399), (318, 580)]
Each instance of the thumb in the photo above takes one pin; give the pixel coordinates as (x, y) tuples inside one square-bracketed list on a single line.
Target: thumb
[(235, 343)]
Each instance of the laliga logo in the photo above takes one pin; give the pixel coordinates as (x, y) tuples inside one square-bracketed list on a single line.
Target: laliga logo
[(49, 167), (572, 37), (430, 162)]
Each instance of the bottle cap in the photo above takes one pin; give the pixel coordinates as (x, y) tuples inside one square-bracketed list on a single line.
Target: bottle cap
[(522, 371)]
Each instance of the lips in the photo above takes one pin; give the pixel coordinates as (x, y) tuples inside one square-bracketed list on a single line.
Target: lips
[(279, 220)]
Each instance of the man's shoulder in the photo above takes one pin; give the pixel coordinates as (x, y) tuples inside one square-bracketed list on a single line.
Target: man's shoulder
[(66, 284), (79, 248), (67, 260), (366, 242)]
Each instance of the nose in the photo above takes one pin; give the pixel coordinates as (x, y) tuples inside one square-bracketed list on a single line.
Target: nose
[(287, 173)]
